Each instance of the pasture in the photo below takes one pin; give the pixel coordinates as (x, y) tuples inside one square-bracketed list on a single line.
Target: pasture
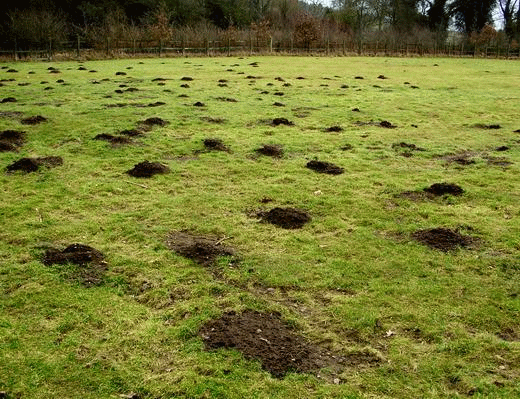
[(260, 227)]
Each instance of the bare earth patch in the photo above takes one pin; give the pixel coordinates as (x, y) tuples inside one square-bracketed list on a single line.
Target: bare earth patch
[(325, 167), (287, 218), (265, 337), (148, 169), (33, 164), (91, 262), (33, 120), (202, 250), (214, 144), (443, 239), (271, 150)]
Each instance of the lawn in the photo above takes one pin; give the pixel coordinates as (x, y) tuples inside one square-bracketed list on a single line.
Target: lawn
[(307, 227)]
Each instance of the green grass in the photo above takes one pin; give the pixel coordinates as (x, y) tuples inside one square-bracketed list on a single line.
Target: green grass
[(351, 279)]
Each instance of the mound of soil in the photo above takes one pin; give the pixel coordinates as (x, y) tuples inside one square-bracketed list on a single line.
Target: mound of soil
[(277, 104), (215, 145), (407, 146), (502, 148), (7, 147), (186, 79), (271, 150), (33, 120), (387, 125), (213, 120), (443, 239), (131, 133), (264, 337), (325, 167), (154, 121), (287, 218), (33, 164), (9, 100), (333, 129), (438, 189), (282, 121), (114, 140), (148, 169), (465, 158), (199, 104), (200, 249), (91, 261), (12, 137), (483, 126), (498, 161)]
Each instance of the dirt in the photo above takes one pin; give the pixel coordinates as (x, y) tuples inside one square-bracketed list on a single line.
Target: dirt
[(199, 104), (114, 140), (147, 169), (215, 145), (347, 147), (33, 120), (464, 158), (502, 148), (210, 119), (509, 334), (439, 189), (484, 126), (9, 100), (33, 164), (271, 150), (186, 78), (443, 239), (325, 167), (287, 218), (202, 250), (131, 133), (281, 121), (278, 104), (498, 161), (11, 140), (265, 337), (407, 146), (387, 125), (334, 129), (149, 123), (91, 262)]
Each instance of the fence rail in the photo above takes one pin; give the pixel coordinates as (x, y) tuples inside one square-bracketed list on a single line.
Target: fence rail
[(79, 49)]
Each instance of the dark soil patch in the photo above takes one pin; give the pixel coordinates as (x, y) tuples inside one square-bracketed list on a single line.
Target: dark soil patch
[(199, 104), (186, 79), (359, 77), (439, 189), (213, 120), (147, 169), (33, 120), (287, 218), (277, 104), (502, 148), (443, 239), (33, 164), (281, 121), (227, 99), (265, 337), (407, 146), (132, 89), (114, 140), (334, 129), (120, 73), (200, 249), (9, 100), (484, 126), (12, 70), (150, 122), (509, 334), (131, 133), (185, 86), (271, 150), (278, 93), (324, 167), (12, 137), (464, 158), (91, 262), (215, 145), (387, 125), (347, 147), (382, 77), (156, 104), (7, 147)]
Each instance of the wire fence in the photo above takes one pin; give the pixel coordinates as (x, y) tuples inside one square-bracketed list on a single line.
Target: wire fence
[(82, 49)]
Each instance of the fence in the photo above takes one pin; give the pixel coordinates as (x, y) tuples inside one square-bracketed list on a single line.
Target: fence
[(81, 49)]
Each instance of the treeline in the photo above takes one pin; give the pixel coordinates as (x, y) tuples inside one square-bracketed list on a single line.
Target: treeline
[(32, 24)]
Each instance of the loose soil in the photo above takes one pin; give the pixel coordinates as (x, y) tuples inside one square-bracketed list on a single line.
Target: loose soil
[(114, 140), (439, 189), (12, 138), (154, 122), (265, 337), (9, 100), (147, 169), (333, 129), (210, 119), (464, 158), (33, 120), (443, 239), (215, 145), (33, 164), (271, 150), (282, 121), (91, 262), (200, 249), (287, 218), (406, 146), (325, 167)]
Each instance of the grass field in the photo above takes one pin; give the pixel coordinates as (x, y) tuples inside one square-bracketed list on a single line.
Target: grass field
[(392, 317)]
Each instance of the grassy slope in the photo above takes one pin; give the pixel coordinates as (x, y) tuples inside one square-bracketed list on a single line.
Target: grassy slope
[(345, 280)]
